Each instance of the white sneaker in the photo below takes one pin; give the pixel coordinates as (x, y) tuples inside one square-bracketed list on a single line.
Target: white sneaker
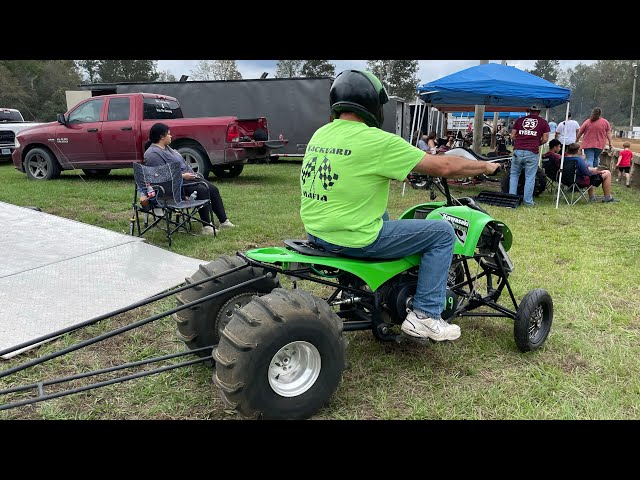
[(227, 224), (207, 230), (416, 325)]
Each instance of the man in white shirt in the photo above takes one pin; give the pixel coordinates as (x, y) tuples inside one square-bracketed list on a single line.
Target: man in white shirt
[(566, 131)]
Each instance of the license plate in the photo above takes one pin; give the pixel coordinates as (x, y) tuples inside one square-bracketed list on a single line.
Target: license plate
[(6, 151)]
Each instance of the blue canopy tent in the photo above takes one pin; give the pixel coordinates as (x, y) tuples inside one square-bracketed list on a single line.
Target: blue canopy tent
[(498, 87), (492, 85), (489, 115)]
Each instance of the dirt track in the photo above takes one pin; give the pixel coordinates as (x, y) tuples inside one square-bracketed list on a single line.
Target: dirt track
[(635, 143)]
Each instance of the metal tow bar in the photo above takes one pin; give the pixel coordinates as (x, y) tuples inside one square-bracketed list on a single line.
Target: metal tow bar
[(39, 387)]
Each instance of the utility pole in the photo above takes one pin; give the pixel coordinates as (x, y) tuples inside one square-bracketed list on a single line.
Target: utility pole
[(478, 122), (496, 117), (633, 99)]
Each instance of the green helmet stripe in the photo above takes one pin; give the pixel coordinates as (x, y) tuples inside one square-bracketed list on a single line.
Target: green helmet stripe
[(374, 80)]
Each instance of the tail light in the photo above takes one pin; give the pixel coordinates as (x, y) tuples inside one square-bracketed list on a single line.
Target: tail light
[(232, 133)]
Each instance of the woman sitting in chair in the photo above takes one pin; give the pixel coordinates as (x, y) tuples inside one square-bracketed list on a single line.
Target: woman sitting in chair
[(158, 152)]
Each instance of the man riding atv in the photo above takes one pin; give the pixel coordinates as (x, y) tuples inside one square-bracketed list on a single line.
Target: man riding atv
[(345, 179)]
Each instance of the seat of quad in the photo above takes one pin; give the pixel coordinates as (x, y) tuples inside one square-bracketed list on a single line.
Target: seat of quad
[(471, 155), (305, 247)]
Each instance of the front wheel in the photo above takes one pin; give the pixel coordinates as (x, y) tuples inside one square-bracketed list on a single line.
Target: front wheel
[(281, 356), (533, 320), (227, 171), (40, 164)]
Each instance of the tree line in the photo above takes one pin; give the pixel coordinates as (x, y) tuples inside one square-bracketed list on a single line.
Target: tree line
[(37, 87)]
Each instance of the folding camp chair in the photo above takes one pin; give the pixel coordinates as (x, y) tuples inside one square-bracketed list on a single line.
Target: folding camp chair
[(170, 212), (551, 172), (568, 182)]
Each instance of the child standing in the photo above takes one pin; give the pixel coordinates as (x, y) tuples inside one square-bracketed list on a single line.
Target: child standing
[(624, 162)]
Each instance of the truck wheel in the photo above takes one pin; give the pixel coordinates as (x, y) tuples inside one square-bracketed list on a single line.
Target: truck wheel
[(95, 173), (533, 320), (201, 325), (281, 356), (227, 171), (196, 160), (40, 164)]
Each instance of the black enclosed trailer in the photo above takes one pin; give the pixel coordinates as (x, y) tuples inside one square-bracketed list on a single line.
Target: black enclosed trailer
[(294, 107)]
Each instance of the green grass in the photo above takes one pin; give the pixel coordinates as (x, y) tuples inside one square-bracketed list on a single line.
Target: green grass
[(586, 256)]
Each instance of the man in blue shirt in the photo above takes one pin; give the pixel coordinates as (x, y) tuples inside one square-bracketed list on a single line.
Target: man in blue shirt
[(552, 128), (590, 176)]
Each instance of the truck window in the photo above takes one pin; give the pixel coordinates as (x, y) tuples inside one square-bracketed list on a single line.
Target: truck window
[(161, 109), (87, 112), (118, 109), (7, 115)]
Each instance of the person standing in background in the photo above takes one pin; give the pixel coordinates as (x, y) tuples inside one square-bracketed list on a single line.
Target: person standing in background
[(566, 131), (597, 131), (509, 131), (624, 163), (528, 134), (552, 129)]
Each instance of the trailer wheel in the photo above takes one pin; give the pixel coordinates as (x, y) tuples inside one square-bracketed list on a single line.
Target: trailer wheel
[(196, 159), (533, 320), (281, 356), (227, 171), (40, 164), (201, 325)]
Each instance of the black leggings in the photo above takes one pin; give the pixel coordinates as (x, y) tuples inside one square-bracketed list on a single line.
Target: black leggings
[(209, 191)]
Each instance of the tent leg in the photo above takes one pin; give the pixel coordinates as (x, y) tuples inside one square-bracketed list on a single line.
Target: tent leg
[(566, 119)]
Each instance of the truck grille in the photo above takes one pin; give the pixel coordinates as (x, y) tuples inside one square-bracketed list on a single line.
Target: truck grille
[(7, 137)]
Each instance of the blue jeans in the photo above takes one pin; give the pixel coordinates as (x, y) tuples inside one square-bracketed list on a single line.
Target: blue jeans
[(527, 161), (434, 239), (592, 156)]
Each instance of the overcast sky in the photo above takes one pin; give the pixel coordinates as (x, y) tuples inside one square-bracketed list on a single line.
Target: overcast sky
[(429, 69)]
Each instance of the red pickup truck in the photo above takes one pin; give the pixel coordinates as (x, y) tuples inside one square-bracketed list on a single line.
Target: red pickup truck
[(109, 131)]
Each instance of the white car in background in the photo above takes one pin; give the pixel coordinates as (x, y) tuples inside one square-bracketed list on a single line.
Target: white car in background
[(11, 123)]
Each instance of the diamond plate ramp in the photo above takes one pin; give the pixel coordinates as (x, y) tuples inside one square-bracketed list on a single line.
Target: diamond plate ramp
[(58, 273)]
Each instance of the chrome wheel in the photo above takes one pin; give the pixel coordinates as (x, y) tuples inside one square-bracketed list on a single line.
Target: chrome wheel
[(294, 369)]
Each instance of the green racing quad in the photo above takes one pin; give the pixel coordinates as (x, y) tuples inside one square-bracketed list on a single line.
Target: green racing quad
[(280, 353)]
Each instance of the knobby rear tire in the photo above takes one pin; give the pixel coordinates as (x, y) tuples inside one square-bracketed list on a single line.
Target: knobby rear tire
[(246, 356), (200, 326)]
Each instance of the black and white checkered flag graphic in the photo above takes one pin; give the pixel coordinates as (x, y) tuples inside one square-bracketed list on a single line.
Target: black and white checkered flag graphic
[(308, 169), (325, 175)]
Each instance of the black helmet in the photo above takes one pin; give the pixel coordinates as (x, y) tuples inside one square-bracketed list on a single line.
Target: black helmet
[(359, 92)]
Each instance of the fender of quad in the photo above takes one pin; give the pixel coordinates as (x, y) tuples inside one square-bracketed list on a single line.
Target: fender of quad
[(372, 273), (467, 224)]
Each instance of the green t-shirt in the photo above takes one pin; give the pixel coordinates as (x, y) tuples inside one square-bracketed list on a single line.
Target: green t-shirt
[(345, 179)]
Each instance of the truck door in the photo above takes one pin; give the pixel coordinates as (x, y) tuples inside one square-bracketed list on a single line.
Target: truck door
[(79, 142), (118, 132)]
